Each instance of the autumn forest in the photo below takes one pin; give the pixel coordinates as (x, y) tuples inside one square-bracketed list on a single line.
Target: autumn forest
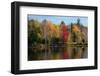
[(52, 37)]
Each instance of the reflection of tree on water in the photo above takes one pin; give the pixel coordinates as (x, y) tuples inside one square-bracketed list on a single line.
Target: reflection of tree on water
[(59, 53)]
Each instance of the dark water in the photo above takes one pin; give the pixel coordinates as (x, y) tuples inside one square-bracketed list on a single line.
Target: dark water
[(54, 53)]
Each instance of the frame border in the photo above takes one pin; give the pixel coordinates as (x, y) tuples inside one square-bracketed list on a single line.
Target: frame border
[(15, 33)]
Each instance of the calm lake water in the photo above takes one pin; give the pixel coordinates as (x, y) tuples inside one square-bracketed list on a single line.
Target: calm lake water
[(54, 53)]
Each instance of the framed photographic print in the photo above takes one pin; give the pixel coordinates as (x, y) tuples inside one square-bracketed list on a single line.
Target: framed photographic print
[(52, 37)]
